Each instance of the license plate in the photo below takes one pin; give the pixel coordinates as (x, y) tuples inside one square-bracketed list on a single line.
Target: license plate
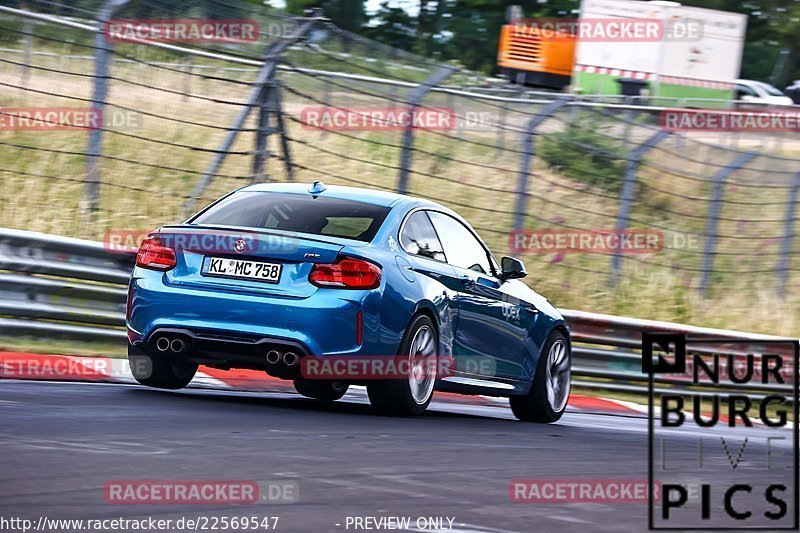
[(241, 269)]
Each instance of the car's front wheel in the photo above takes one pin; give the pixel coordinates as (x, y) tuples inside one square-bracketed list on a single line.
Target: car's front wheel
[(322, 390), (411, 393), (547, 399), (161, 372)]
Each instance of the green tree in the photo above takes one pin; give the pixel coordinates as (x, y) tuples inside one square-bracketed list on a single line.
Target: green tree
[(393, 26), (350, 15)]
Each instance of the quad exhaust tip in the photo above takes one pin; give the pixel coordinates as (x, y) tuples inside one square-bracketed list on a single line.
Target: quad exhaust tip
[(166, 343), (162, 344), (289, 358)]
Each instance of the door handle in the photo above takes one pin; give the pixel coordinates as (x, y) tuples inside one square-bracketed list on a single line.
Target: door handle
[(468, 282)]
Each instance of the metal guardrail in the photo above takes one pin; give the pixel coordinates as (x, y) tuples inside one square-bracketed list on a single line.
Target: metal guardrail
[(53, 285), (73, 288)]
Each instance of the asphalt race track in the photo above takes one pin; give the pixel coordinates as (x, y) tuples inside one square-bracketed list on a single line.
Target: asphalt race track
[(62, 442)]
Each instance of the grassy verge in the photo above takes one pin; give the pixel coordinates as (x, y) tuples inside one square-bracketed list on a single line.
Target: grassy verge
[(63, 347)]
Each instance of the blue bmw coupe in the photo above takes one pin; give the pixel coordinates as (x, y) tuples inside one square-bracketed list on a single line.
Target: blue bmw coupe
[(276, 277)]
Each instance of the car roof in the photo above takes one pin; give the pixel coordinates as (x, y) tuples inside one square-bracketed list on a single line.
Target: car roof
[(370, 196)]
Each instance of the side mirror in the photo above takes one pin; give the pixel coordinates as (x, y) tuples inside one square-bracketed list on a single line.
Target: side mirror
[(512, 268)]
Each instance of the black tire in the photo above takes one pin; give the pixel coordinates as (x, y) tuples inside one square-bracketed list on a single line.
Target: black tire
[(535, 406), (395, 396), (323, 390), (160, 371)]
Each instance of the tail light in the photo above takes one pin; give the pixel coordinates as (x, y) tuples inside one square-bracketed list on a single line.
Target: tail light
[(154, 256), (346, 273)]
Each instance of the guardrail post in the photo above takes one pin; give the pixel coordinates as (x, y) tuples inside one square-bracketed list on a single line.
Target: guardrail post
[(788, 235), (103, 58), (527, 157), (626, 199), (265, 79), (709, 251), (412, 102)]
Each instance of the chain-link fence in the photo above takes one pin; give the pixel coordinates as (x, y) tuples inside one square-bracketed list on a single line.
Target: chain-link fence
[(185, 122)]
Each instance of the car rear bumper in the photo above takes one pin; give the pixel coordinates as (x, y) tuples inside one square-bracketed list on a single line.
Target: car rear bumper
[(224, 322), (276, 356)]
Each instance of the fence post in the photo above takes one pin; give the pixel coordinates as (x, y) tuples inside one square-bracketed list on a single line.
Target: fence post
[(270, 107), (460, 118), (102, 60), (26, 69), (412, 102), (187, 79), (788, 235), (626, 199), (281, 125), (527, 156), (709, 251), (326, 98), (263, 129), (501, 130), (627, 119), (265, 79)]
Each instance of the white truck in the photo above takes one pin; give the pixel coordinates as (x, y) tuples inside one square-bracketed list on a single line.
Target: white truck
[(698, 56)]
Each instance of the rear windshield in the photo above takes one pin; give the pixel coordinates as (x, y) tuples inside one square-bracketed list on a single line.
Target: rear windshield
[(299, 213)]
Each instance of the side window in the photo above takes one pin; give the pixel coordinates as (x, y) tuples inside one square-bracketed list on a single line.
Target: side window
[(744, 90), (418, 237), (460, 245)]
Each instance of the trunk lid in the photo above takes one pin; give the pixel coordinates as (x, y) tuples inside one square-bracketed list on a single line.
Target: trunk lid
[(295, 253)]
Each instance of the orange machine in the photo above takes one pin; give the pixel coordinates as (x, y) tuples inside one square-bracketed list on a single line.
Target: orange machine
[(528, 58)]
